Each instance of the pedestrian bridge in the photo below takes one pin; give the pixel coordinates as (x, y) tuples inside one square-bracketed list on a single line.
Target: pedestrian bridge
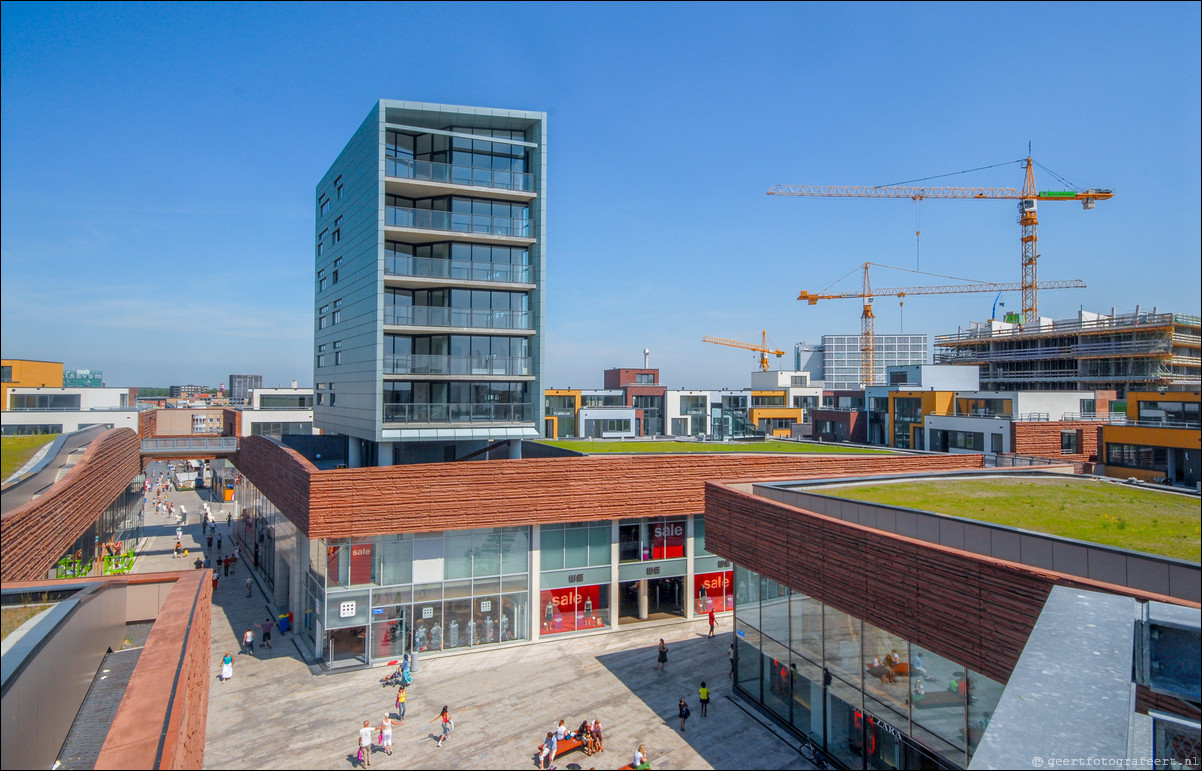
[(185, 446)]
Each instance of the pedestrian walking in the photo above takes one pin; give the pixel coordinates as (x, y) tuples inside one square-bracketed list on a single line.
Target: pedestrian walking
[(229, 520), (730, 653), (218, 544), (401, 697), (713, 623), (234, 560), (447, 725), (249, 583), (265, 631), (209, 541), (705, 698), (365, 743), (684, 713), (214, 581), (225, 566), (227, 665), (386, 733), (662, 662), (248, 641)]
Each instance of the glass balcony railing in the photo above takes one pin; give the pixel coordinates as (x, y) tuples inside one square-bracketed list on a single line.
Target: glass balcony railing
[(428, 316), (421, 364), (459, 270), (456, 222), (407, 168), (487, 412)]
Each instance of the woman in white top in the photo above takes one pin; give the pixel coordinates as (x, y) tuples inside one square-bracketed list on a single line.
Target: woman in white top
[(640, 757), (386, 733)]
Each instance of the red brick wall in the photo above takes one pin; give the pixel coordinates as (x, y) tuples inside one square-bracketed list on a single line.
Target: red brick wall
[(856, 422), (281, 473), (1042, 438), (618, 378), (178, 643), (35, 535), (148, 424), (453, 496), (973, 609)]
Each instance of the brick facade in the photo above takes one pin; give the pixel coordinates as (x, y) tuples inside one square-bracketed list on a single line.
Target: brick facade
[(973, 609), (162, 717), (35, 535), (454, 496), (1042, 438)]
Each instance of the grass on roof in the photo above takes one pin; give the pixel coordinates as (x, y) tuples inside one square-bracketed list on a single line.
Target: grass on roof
[(1088, 510), (626, 445), (15, 451)]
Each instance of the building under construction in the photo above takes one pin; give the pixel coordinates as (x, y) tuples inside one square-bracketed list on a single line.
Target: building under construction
[(1138, 351)]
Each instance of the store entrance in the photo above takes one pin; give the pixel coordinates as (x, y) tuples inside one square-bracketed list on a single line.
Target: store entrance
[(651, 600), (346, 647)]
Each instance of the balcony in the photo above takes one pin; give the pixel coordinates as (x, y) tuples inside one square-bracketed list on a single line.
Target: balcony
[(455, 270), (487, 412), (456, 222), (420, 364), (445, 173), (429, 316)]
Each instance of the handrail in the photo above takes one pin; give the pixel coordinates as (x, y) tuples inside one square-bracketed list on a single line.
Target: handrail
[(455, 174)]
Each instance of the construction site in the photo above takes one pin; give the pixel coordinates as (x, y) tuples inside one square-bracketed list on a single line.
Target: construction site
[(1140, 351), (1136, 351)]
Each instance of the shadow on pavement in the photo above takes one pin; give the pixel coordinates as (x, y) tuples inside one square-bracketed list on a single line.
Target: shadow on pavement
[(690, 662)]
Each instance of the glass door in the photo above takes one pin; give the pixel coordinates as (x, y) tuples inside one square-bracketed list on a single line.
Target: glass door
[(346, 647)]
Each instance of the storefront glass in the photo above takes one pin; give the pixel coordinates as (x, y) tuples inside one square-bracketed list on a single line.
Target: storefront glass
[(713, 591), (574, 609), (864, 694)]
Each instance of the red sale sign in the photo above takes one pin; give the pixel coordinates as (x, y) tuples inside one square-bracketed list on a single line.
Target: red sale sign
[(361, 563)]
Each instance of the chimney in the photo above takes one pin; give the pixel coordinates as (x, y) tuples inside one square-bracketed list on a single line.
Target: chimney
[(294, 385)]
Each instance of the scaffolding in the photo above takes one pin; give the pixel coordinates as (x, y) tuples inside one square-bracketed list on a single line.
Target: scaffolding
[(1136, 351)]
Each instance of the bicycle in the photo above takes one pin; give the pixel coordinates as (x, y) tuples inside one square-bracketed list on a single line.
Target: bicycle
[(811, 753)]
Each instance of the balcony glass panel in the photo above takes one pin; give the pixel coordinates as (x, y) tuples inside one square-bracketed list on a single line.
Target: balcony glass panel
[(429, 316), (406, 168), (459, 270), (456, 365), (487, 412), (457, 222)]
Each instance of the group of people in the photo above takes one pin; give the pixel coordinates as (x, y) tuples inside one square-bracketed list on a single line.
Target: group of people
[(383, 731), (887, 669), (588, 734)]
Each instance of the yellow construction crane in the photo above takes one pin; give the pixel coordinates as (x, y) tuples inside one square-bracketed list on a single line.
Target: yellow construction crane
[(867, 325), (763, 349), (1026, 213)]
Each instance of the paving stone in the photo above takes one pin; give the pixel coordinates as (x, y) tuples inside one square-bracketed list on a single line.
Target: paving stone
[(276, 713)]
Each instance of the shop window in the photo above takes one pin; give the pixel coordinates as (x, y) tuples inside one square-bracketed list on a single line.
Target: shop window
[(713, 591), (574, 609), (774, 610)]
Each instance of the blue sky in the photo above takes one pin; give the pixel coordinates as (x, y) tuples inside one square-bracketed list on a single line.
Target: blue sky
[(159, 164)]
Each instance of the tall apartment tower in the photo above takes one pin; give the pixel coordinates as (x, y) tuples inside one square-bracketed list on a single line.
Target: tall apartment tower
[(430, 253)]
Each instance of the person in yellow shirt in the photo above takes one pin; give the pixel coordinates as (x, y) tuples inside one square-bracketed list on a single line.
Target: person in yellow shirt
[(705, 699)]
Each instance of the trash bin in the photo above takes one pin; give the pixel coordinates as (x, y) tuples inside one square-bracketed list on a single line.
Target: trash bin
[(284, 622)]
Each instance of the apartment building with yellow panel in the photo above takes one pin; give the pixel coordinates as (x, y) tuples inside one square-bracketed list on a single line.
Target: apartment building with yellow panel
[(1160, 440), (28, 373)]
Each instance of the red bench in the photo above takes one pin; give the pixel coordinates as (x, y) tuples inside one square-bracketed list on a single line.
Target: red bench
[(562, 746)]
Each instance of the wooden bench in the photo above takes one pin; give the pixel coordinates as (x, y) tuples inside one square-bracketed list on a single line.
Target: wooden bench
[(933, 699), (562, 746)]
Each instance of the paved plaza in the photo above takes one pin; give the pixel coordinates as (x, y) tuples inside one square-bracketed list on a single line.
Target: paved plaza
[(279, 712)]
